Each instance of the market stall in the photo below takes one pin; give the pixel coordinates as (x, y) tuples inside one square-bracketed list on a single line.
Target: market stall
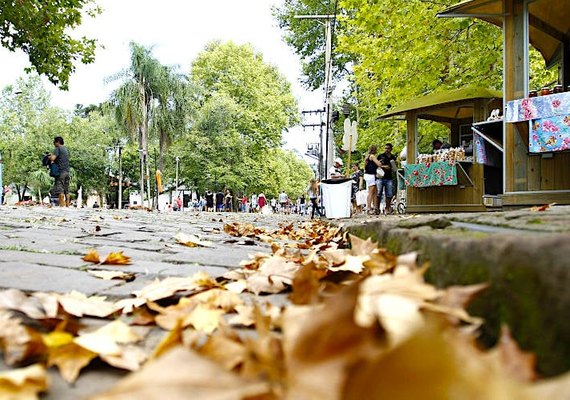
[(459, 178), (536, 130)]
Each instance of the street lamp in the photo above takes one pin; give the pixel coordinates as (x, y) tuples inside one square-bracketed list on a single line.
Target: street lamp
[(177, 161)]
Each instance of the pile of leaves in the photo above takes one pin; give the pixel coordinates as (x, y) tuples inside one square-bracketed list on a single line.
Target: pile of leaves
[(358, 322)]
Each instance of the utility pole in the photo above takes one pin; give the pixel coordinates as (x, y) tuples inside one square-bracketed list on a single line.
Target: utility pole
[(329, 137), (120, 205), (322, 145)]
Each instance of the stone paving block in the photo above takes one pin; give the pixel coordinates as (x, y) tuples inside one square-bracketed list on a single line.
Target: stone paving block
[(33, 277), (36, 245), (224, 256), (56, 260)]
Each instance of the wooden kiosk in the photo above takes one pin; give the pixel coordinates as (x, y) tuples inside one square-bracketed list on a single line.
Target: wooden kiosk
[(535, 171), (457, 109)]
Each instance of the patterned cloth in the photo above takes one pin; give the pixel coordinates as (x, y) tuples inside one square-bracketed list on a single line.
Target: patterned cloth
[(538, 107), (431, 174), (550, 134), (550, 117)]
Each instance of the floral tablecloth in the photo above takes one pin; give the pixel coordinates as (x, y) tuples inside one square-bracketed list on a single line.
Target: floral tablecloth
[(538, 107), (550, 134), (431, 174), (550, 116)]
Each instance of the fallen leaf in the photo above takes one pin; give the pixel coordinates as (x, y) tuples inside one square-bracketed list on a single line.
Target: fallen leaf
[(18, 342), (92, 256), (78, 304), (117, 259), (108, 275), (542, 208), (191, 240), (70, 359), (205, 318), (226, 351), (183, 374), (272, 276), (520, 365), (23, 383), (13, 299)]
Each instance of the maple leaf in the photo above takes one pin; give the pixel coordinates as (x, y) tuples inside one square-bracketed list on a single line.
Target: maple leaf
[(272, 276), (117, 258), (23, 383), (92, 256), (183, 374), (70, 359)]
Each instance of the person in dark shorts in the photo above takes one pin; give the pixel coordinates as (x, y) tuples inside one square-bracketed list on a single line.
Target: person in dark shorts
[(60, 156)]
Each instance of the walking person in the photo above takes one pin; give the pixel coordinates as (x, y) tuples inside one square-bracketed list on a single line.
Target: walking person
[(357, 177), (313, 193), (386, 183), (371, 165), (60, 157)]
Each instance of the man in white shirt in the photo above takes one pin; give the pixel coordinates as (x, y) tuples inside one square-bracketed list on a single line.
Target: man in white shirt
[(335, 170)]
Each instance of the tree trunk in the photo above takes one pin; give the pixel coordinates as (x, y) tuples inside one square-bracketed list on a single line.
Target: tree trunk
[(161, 150), (141, 165)]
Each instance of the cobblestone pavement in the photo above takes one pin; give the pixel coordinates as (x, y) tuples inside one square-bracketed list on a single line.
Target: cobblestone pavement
[(41, 249)]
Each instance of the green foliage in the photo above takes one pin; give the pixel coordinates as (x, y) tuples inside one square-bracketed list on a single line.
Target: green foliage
[(264, 103), (40, 29), (308, 40)]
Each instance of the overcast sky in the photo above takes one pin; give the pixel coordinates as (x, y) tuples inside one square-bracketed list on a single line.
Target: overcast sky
[(177, 30)]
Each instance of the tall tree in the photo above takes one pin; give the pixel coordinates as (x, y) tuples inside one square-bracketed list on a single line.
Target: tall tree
[(307, 38), (144, 78), (41, 30), (262, 95)]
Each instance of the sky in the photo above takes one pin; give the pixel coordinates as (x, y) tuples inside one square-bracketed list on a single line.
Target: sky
[(177, 30)]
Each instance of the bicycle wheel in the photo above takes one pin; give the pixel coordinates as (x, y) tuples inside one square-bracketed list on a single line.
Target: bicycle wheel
[(401, 207)]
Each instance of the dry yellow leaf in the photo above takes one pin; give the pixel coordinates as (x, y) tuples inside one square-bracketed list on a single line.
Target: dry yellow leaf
[(92, 256), (117, 258), (191, 240), (78, 304), (106, 340), (205, 318), (23, 383), (219, 298), (14, 299), (108, 275), (226, 351), (70, 359), (183, 374), (172, 339), (272, 276)]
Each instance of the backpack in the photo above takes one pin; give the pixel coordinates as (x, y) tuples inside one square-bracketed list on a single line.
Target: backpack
[(53, 168)]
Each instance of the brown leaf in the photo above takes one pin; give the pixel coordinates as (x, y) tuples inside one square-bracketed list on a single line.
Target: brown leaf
[(461, 296), (542, 208), (305, 286), (361, 247), (430, 365), (92, 256), (272, 276), (18, 342), (320, 342), (519, 364), (183, 374), (117, 259), (226, 351), (24, 383)]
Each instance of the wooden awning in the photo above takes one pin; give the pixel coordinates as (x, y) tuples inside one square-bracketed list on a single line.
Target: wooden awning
[(549, 21), (446, 106)]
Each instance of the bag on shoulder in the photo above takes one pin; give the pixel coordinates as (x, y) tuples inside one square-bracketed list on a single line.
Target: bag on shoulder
[(380, 173), (54, 170)]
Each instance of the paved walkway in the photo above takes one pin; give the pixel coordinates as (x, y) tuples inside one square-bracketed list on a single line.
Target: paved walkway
[(41, 249)]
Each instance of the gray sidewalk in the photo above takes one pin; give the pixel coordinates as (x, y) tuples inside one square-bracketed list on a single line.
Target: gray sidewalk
[(41, 249)]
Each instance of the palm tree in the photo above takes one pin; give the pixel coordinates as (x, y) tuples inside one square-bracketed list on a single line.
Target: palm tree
[(132, 100)]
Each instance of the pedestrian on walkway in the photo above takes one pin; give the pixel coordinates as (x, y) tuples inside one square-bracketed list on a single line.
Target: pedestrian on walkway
[(313, 193), (60, 156), (357, 184), (371, 165), (283, 200), (386, 183)]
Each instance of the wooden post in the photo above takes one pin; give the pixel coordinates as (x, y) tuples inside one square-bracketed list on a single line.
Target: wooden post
[(412, 136), (515, 31)]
